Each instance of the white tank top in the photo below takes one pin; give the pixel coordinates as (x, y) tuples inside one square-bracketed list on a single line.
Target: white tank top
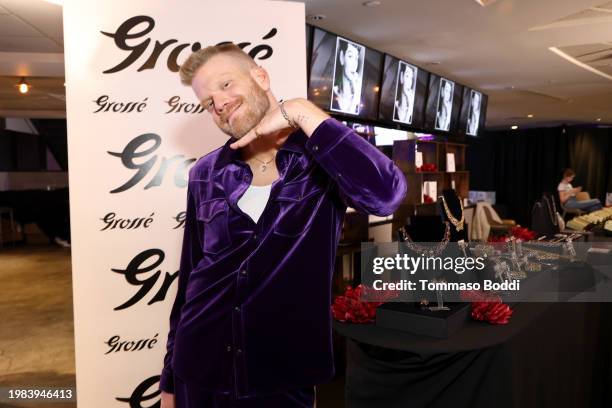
[(254, 200)]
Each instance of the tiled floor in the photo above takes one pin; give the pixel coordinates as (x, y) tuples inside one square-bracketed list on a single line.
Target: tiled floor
[(37, 331)]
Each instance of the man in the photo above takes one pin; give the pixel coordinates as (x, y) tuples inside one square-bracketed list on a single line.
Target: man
[(251, 323), (474, 114), (404, 103), (445, 102), (346, 95), (567, 194)]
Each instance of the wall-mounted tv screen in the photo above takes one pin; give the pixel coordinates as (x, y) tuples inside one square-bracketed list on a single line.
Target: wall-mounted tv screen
[(403, 92), (483, 112), (344, 76), (472, 113), (443, 104)]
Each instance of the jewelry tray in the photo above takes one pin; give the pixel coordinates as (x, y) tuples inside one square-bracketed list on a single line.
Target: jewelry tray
[(405, 316)]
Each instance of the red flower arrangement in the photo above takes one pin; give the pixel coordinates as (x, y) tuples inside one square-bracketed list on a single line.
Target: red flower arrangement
[(488, 307), (427, 167), (524, 234), (350, 308), (427, 199)]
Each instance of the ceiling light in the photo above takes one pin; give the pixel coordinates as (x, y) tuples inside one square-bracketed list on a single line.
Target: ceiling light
[(598, 119), (23, 86), (371, 3), (485, 3), (530, 115), (514, 127), (316, 17)]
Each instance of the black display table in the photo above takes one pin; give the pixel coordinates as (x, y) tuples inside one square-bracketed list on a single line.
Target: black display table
[(549, 355)]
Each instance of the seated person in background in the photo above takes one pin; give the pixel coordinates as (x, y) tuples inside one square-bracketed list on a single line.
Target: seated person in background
[(567, 194)]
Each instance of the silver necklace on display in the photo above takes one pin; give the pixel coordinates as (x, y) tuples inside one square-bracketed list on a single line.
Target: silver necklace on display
[(552, 210)]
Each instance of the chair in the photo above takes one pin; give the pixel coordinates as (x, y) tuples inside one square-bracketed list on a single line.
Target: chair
[(576, 211)]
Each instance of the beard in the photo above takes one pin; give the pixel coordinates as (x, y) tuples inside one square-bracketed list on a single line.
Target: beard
[(253, 108)]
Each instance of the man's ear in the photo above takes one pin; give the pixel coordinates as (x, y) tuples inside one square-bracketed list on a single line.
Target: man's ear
[(261, 77)]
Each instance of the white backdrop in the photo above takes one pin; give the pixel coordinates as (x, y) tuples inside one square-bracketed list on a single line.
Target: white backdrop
[(130, 145)]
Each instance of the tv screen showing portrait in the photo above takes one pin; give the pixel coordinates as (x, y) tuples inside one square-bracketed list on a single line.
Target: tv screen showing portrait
[(344, 76), (443, 104), (402, 97), (471, 112), (483, 112)]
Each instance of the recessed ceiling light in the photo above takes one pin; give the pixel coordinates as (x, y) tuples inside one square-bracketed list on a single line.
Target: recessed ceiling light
[(514, 127), (530, 115), (316, 17), (371, 3), (598, 119), (23, 86)]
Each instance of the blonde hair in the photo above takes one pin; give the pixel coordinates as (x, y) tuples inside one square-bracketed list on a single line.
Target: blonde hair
[(197, 59)]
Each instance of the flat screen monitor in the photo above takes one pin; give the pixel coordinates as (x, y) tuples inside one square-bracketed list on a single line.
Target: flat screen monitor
[(344, 76), (443, 104), (403, 92), (472, 114), (483, 112)]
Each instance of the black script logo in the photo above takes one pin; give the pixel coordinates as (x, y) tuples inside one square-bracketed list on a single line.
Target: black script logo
[(125, 223), (176, 106), (116, 345), (119, 107), (136, 267), (128, 30), (180, 218), (139, 397), (131, 152)]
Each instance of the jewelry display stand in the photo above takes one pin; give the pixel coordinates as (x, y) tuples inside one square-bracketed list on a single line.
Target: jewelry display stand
[(438, 319)]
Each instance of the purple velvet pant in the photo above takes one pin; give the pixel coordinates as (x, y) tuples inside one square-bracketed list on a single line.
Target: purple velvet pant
[(192, 397)]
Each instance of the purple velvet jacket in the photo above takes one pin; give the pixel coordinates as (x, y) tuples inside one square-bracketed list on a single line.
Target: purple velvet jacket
[(256, 297)]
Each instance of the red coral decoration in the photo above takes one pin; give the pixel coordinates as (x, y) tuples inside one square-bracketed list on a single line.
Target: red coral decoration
[(488, 307), (350, 307)]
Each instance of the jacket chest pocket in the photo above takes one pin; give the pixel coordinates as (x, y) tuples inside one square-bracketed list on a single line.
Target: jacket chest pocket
[(298, 203), (214, 215)]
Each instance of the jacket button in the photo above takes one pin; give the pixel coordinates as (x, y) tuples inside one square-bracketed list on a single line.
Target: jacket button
[(229, 348), (238, 351), (315, 148), (237, 308), (243, 272)]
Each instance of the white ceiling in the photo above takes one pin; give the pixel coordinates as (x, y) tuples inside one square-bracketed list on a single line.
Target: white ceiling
[(501, 49)]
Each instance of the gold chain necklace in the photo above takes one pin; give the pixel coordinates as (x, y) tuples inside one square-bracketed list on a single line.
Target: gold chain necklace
[(457, 223), (264, 164), (425, 250)]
